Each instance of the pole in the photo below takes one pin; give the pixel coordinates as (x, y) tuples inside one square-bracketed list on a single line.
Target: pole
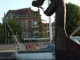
[(5, 29), (50, 27)]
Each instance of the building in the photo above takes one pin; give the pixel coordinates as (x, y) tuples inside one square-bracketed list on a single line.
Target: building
[(26, 17)]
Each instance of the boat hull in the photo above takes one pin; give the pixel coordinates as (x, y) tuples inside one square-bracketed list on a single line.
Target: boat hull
[(35, 55)]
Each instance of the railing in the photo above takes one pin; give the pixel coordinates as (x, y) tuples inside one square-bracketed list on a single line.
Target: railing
[(36, 38)]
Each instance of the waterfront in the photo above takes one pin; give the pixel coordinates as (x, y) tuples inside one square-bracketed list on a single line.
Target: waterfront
[(9, 49)]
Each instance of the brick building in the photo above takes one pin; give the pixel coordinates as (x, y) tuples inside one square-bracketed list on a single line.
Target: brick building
[(26, 17)]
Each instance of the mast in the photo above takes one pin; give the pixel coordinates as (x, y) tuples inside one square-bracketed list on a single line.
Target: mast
[(5, 29), (50, 27)]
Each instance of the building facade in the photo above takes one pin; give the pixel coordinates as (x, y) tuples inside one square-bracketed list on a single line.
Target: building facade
[(26, 17)]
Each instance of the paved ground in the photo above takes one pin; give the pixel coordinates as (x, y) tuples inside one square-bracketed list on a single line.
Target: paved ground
[(7, 47)]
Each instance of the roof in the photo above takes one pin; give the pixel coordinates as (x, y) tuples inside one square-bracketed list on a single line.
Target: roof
[(24, 11)]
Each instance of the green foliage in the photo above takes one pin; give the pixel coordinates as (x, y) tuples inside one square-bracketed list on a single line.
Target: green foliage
[(72, 17), (12, 27), (40, 27), (53, 23)]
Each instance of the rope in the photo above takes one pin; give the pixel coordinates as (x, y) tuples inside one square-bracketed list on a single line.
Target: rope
[(70, 20), (72, 15), (15, 39)]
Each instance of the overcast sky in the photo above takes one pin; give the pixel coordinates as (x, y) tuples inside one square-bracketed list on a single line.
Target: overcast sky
[(7, 5)]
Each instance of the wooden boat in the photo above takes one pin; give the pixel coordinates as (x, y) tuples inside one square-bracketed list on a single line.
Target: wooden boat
[(65, 48)]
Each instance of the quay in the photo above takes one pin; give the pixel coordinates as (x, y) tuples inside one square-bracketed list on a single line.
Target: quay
[(6, 51)]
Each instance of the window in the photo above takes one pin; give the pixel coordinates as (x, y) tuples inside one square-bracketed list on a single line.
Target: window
[(14, 16), (23, 25), (29, 35), (24, 35), (35, 23), (9, 17), (29, 24)]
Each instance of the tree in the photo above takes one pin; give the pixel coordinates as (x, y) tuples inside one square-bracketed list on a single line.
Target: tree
[(12, 27), (72, 18), (53, 24), (40, 27)]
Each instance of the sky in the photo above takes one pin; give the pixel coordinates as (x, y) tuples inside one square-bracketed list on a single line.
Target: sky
[(7, 5)]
